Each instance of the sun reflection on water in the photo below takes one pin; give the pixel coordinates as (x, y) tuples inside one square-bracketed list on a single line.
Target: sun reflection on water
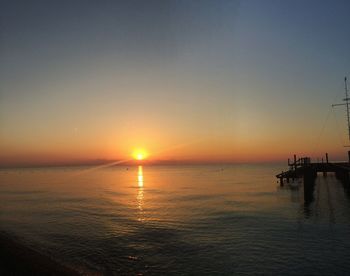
[(140, 177), (140, 193)]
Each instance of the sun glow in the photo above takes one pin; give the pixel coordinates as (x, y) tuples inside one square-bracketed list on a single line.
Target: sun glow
[(140, 154)]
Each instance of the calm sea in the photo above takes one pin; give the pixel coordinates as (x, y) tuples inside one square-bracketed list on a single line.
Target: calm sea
[(178, 220)]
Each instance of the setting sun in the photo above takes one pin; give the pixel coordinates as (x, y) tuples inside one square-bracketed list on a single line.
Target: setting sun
[(140, 154)]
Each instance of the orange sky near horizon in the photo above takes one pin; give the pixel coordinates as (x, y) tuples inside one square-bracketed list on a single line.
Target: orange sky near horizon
[(162, 147)]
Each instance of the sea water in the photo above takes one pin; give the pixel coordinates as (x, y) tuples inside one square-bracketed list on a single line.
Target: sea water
[(178, 220)]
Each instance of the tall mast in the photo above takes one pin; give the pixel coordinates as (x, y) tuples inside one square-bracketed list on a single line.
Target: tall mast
[(346, 100), (347, 104)]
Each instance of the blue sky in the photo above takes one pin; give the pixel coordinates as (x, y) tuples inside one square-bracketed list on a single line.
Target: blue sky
[(80, 78)]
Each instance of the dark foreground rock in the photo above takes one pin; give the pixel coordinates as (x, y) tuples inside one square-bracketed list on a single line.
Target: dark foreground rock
[(17, 259)]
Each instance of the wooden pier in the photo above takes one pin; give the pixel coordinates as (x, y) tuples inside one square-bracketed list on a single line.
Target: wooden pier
[(305, 169)]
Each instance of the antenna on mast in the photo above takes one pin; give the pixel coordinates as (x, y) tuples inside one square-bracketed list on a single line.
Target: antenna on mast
[(346, 100)]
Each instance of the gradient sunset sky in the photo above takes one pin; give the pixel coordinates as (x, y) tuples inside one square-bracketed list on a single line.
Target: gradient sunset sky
[(185, 80)]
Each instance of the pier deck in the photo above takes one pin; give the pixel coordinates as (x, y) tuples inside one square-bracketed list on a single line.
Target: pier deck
[(317, 167)]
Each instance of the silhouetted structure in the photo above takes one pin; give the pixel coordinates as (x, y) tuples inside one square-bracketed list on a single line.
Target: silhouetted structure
[(304, 168)]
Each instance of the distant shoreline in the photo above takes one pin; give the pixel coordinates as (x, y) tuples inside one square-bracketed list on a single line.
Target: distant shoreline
[(18, 259)]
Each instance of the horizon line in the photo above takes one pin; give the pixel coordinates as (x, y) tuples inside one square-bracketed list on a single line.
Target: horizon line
[(115, 162)]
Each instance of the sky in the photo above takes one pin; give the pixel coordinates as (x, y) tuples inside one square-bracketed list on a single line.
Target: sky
[(206, 81)]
